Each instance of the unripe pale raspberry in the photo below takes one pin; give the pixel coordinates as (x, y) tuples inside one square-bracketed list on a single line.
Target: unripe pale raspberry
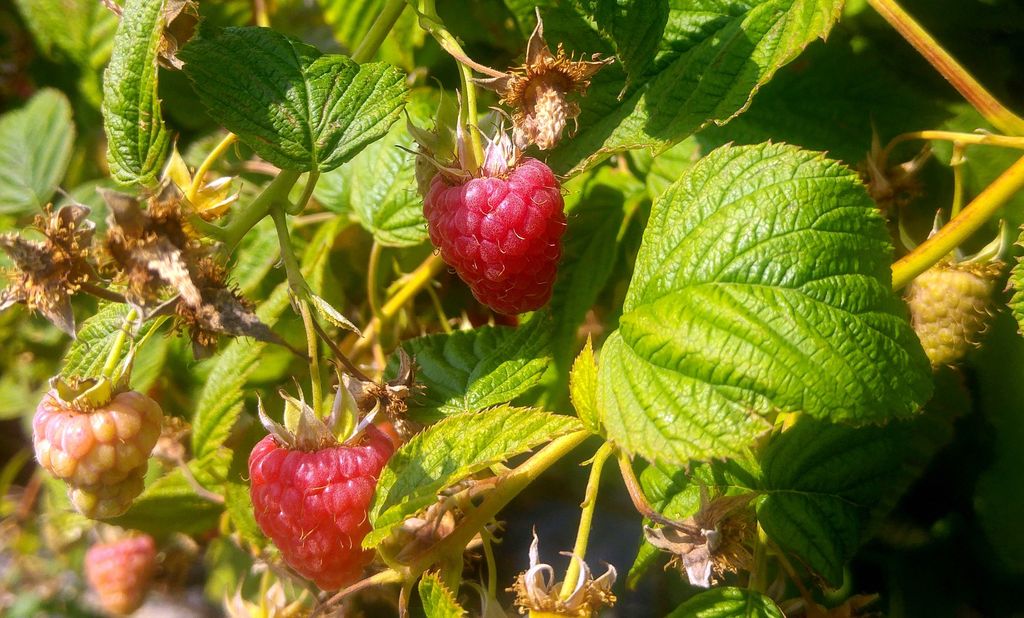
[(314, 504), (120, 572), (101, 453), (501, 234), (950, 308)]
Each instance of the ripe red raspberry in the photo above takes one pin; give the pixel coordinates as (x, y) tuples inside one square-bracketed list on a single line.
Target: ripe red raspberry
[(120, 571), (101, 453), (314, 504), (501, 233)]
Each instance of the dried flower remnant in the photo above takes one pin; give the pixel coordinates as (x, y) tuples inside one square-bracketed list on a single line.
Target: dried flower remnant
[(711, 542), (386, 397), (538, 90), (892, 186), (537, 591), (48, 272)]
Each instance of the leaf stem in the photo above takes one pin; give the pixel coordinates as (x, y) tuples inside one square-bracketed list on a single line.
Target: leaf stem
[(966, 139), (371, 278), (970, 219), (416, 281), (636, 493), (244, 220), (965, 83), (291, 263), (307, 194), (378, 31), (589, 505), (204, 167)]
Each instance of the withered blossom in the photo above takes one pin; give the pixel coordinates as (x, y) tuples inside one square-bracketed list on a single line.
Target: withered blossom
[(713, 541), (537, 591), (48, 272), (892, 186), (388, 397), (180, 20), (538, 90)]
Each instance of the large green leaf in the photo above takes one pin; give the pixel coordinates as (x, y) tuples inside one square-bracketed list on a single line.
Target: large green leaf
[(682, 65), (297, 108), (728, 602), (136, 137), (451, 450), (762, 285), (35, 147), (470, 370), (223, 395)]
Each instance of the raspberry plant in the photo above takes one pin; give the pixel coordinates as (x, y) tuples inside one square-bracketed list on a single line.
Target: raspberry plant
[(357, 308)]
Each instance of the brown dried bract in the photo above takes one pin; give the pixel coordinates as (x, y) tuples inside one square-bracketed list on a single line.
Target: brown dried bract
[(892, 186), (538, 90), (387, 397), (48, 272), (713, 541)]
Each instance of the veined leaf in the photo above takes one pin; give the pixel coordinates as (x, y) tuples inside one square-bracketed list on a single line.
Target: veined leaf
[(95, 340), (682, 65), (35, 147), (297, 108), (471, 370), (583, 388), (762, 285), (136, 137), (727, 602), (438, 601), (451, 450)]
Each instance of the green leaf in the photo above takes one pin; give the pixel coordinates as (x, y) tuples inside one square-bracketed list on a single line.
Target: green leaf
[(379, 185), (451, 450), (682, 65), (297, 108), (171, 504), (35, 147), (583, 388), (136, 137), (471, 370), (762, 285), (438, 600), (95, 340), (728, 602), (222, 398)]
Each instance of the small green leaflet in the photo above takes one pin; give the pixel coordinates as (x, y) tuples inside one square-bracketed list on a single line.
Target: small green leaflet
[(762, 285), (297, 108), (95, 340), (681, 65), (583, 388), (1017, 285), (451, 450), (471, 370), (438, 601), (136, 137), (728, 602), (35, 147)]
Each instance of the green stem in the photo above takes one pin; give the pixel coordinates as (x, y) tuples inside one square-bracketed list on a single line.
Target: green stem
[(291, 263), (114, 356), (379, 31), (758, 575), (506, 489), (371, 278), (307, 194), (965, 83), (954, 233), (217, 152), (589, 505), (244, 220), (314, 356)]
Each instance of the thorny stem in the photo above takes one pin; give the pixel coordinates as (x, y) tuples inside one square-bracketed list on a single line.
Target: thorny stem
[(379, 31), (589, 505), (204, 167), (973, 216), (965, 83), (114, 357), (245, 219)]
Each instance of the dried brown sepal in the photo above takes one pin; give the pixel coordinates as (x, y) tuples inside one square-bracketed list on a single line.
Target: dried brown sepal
[(388, 397), (537, 591), (538, 90), (180, 20), (48, 272), (713, 541), (892, 186)]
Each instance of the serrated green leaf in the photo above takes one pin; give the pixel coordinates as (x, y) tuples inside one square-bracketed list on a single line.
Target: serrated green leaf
[(221, 400), (310, 112), (171, 504), (95, 340), (136, 137), (35, 147), (681, 65), (450, 451), (583, 388), (379, 186), (728, 602), (438, 601), (332, 315), (762, 285), (471, 370)]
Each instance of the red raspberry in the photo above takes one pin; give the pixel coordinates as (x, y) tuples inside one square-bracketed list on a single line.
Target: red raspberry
[(119, 572), (502, 234), (100, 453), (314, 504)]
